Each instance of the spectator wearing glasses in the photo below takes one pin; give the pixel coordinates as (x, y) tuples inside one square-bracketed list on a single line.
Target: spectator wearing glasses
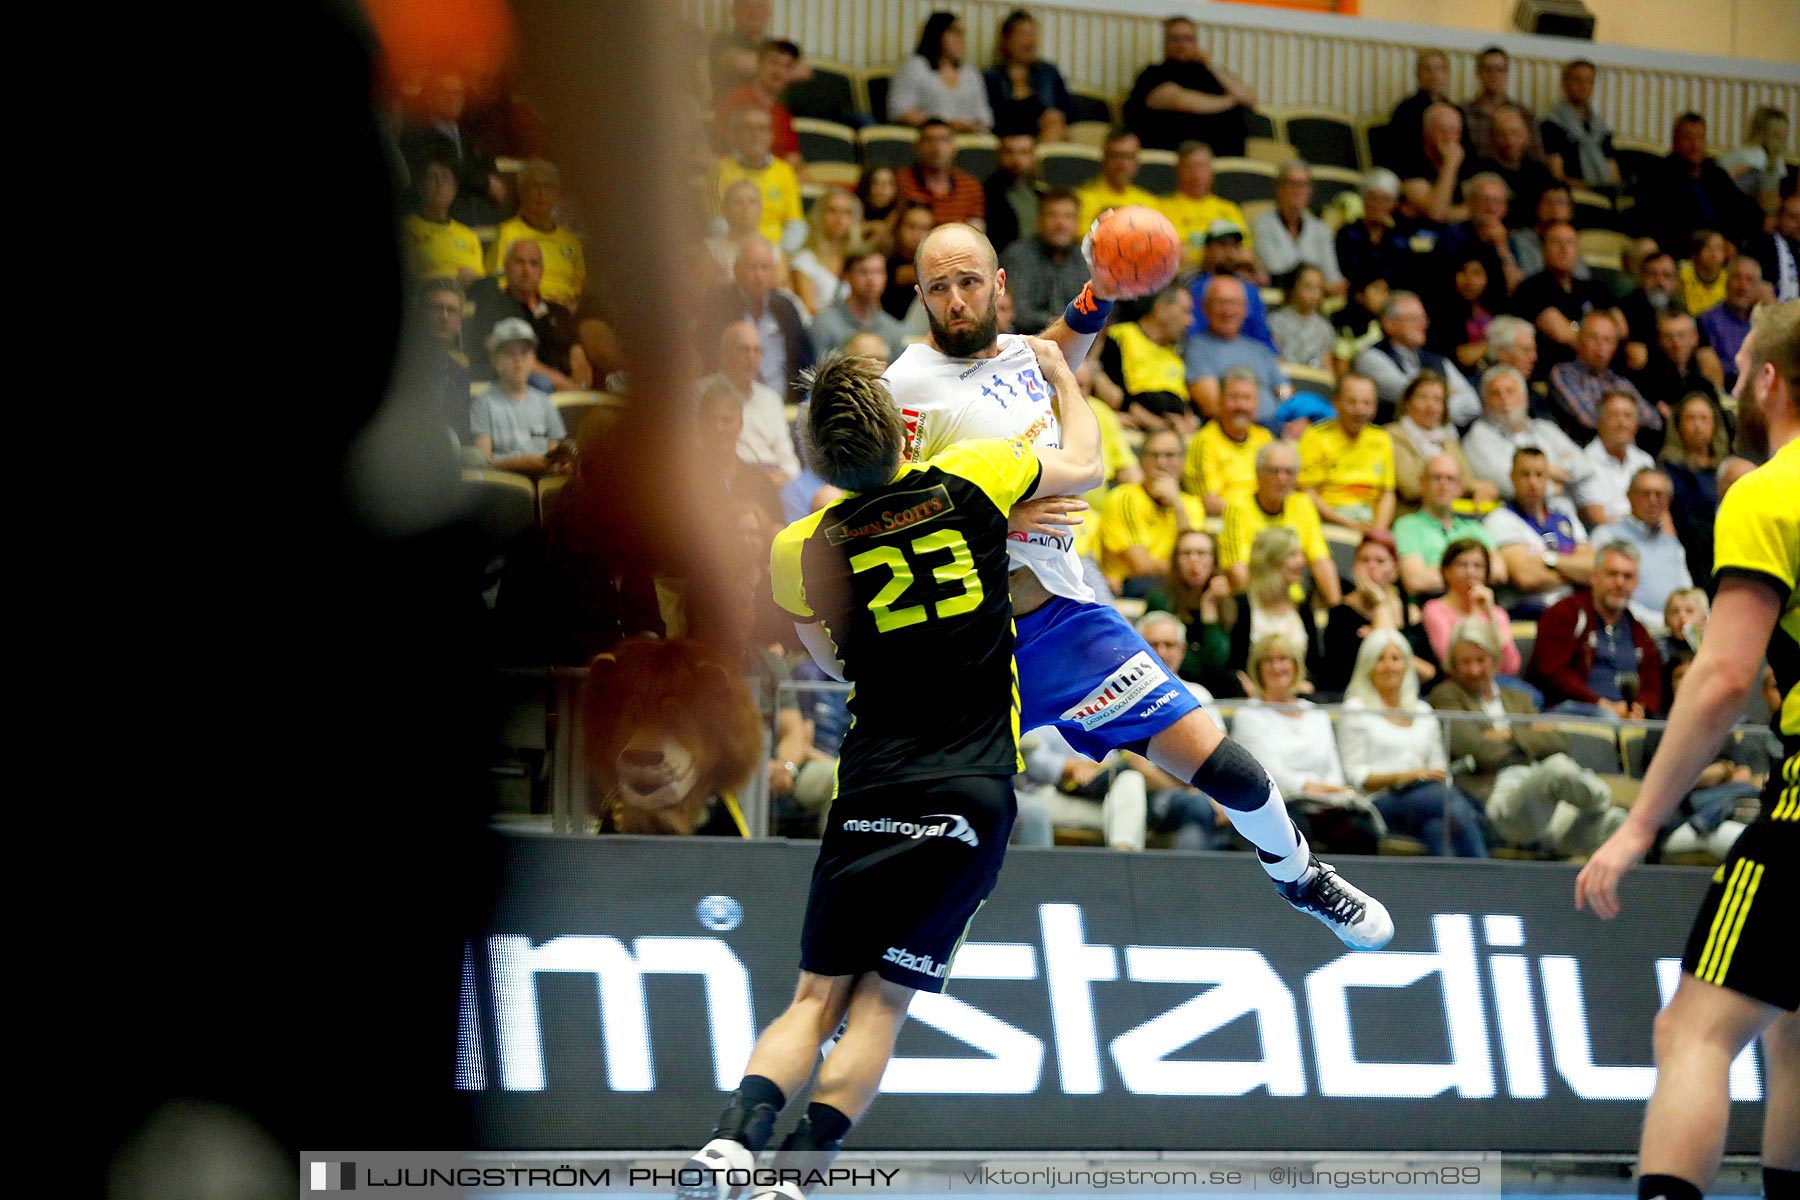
[(1662, 560), (1277, 501)]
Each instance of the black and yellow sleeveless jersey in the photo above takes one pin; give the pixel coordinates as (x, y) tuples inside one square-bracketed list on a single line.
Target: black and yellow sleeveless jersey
[(910, 581), (1757, 536)]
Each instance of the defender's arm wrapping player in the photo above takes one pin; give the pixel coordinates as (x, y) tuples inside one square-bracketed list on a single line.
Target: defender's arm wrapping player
[(902, 587), (1738, 977)]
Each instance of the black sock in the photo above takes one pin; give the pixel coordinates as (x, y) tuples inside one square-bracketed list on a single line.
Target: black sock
[(1781, 1185), (1666, 1187), (749, 1116), (820, 1135)]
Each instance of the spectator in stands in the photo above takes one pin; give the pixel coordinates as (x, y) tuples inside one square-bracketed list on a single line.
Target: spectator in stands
[(1687, 191), (438, 246), (1277, 501), (513, 424), (775, 62), (1555, 299), (752, 157), (1662, 561), (444, 375), (1589, 646), (1114, 187), (1484, 237), (733, 54), (1294, 741), (1614, 459), (1357, 324), (1221, 458), (741, 207), (1778, 252), (1302, 335), (1025, 93), (1176, 807), (1420, 537), (1225, 256), (1140, 522), (818, 270), (1187, 97), (936, 83), (1757, 166), (858, 309), (1468, 568), (1375, 601), (1577, 140), (1727, 324), (1010, 195), (1399, 761), (1685, 615), (1144, 357), (1657, 292), (1289, 235), (1062, 789), (1512, 342), (1507, 427), (1678, 365), (1459, 334), (752, 297), (878, 188), (1198, 595), (1224, 342), (1193, 208), (720, 429), (1703, 273), (1481, 112), (1579, 385), (911, 223), (1432, 73), (1512, 160), (934, 179), (1044, 271), (1555, 205), (1423, 431), (565, 264), (1696, 444), (1533, 792), (1368, 249), (765, 440), (1432, 171), (1271, 601), (1347, 463), (1540, 537), (1401, 354), (439, 133), (1712, 816), (515, 293)]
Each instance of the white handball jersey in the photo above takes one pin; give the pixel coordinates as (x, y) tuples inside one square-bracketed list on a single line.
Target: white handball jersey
[(950, 400)]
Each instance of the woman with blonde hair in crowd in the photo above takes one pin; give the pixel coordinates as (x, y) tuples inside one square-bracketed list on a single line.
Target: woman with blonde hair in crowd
[(1695, 442), (1422, 431), (1759, 165), (1268, 604), (835, 219), (1199, 596), (1396, 756)]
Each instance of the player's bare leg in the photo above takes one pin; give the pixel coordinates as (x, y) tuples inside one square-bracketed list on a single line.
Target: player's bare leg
[(1781, 1098), (852, 1072), (1697, 1035), (1195, 749)]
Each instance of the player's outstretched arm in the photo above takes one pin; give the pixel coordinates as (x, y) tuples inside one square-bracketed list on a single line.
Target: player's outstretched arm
[(1074, 332), (1077, 466), (1710, 702)]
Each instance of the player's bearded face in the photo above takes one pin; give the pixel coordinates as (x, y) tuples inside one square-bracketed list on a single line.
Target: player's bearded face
[(1753, 423), (972, 332)]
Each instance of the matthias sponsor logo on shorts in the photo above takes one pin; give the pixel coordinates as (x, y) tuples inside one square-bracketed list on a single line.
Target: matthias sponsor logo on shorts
[(947, 825), (922, 963), (1140, 675)]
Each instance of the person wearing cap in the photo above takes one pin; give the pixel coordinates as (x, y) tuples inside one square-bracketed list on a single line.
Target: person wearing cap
[(1192, 207), (516, 294), (1224, 254), (515, 425)]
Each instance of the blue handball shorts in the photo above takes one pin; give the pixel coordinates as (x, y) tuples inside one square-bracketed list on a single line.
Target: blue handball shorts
[(1085, 670)]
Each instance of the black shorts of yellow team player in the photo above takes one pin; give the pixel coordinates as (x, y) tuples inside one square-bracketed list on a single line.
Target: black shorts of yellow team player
[(901, 872), (1743, 938)]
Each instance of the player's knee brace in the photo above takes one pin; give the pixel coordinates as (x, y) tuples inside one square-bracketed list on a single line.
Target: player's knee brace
[(1233, 777)]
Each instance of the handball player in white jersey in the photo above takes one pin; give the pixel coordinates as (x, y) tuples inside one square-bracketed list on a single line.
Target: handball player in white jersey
[(1082, 667)]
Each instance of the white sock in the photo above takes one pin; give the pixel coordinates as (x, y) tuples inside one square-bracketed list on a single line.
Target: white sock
[(1269, 828)]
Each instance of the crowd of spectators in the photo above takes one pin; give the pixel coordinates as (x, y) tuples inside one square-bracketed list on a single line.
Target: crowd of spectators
[(1430, 371)]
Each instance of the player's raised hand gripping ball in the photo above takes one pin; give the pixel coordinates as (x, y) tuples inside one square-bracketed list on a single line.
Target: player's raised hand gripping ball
[(1131, 251)]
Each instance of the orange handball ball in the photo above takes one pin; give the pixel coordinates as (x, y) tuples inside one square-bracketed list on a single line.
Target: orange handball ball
[(1135, 250)]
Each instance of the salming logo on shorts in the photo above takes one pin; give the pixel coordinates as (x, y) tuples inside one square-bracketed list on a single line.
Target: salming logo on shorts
[(1140, 675), (947, 825)]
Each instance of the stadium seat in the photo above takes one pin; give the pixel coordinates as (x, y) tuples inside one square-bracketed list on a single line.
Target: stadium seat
[(1256, 208), (1378, 143), (1593, 744), (830, 95), (1089, 133), (1269, 150), (1525, 638), (978, 153), (1400, 844), (1343, 543), (1092, 107), (1594, 210), (547, 489), (1242, 179), (1067, 165), (1156, 171), (828, 174), (887, 145), (1636, 159), (825, 141), (1323, 136), (502, 504), (574, 406), (1331, 182), (1632, 744), (1309, 379), (1602, 247), (875, 92), (1264, 125)]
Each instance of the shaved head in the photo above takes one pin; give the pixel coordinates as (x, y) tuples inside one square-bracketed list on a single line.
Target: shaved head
[(954, 240)]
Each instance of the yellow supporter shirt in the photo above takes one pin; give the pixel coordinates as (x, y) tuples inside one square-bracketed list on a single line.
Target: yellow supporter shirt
[(565, 266), (1215, 463), (1345, 471), (1244, 519), (1132, 518), (1117, 456), (779, 186), (1148, 367), (1700, 296), (1096, 197), (437, 249), (1191, 217)]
